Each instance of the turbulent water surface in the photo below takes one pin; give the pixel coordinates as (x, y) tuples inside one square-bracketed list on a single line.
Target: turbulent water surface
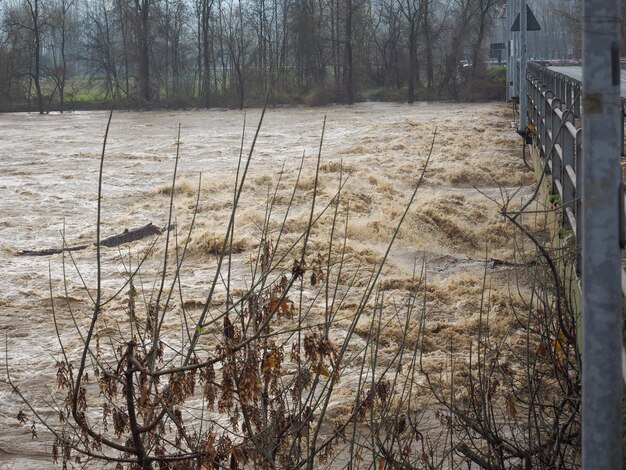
[(48, 185)]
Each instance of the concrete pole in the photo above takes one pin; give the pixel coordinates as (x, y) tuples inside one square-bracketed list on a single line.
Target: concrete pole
[(601, 257), (523, 84)]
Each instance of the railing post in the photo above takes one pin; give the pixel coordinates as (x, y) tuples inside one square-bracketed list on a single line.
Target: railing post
[(576, 98), (541, 101), (569, 192), (547, 113), (623, 111), (568, 95), (602, 271), (535, 110), (555, 125), (555, 84)]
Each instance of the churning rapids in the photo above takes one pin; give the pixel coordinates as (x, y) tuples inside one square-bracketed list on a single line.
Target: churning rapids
[(48, 183)]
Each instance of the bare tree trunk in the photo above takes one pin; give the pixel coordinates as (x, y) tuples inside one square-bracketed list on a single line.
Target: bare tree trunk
[(334, 37), (484, 8), (33, 6), (206, 52), (412, 9), (109, 59), (236, 50), (429, 48), (220, 36), (144, 50), (240, 59), (124, 30), (167, 52), (65, 7), (349, 70), (284, 36), (412, 63)]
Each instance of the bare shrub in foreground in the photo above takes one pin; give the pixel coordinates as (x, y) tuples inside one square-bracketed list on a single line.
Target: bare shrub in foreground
[(244, 382), (250, 377)]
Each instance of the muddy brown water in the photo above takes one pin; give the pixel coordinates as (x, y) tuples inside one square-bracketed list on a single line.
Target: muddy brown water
[(48, 184)]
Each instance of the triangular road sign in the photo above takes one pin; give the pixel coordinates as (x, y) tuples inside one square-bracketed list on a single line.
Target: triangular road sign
[(531, 22)]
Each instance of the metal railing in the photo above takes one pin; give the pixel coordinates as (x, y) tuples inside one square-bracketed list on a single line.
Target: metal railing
[(554, 114)]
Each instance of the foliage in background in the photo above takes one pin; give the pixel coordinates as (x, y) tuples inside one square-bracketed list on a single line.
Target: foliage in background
[(76, 54)]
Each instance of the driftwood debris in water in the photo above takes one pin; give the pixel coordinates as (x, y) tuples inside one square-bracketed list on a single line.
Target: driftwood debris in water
[(126, 236), (494, 263)]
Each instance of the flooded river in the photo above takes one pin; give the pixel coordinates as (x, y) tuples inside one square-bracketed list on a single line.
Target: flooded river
[(48, 184)]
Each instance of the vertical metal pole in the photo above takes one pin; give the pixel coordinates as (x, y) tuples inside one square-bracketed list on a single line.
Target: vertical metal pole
[(514, 42), (523, 83), (601, 257), (507, 37), (579, 208)]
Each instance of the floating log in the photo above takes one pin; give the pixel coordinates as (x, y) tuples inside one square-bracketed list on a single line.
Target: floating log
[(126, 236), (497, 263)]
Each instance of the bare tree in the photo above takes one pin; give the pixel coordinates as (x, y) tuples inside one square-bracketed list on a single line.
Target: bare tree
[(386, 32), (28, 16), (484, 11), (15, 59), (204, 11), (309, 50), (349, 61), (232, 18), (170, 19), (142, 35), (102, 48), (412, 10), (560, 36), (60, 26)]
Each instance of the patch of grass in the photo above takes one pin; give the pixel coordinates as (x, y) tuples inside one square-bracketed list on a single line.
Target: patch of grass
[(392, 94), (319, 96)]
